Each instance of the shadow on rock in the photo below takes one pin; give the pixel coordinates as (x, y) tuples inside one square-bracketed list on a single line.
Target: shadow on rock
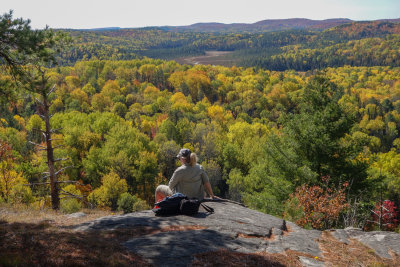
[(177, 248)]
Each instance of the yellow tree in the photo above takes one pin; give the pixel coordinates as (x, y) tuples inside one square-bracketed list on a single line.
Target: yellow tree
[(10, 180)]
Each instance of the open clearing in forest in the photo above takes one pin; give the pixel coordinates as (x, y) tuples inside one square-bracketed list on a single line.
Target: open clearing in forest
[(210, 58)]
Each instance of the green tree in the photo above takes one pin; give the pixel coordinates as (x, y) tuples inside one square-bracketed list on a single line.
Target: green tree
[(107, 195), (315, 135), (19, 42)]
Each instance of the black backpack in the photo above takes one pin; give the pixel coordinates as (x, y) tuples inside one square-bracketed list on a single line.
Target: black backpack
[(169, 205), (179, 204), (191, 206)]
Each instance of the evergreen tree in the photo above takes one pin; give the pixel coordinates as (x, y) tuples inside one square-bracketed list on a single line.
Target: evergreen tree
[(314, 134)]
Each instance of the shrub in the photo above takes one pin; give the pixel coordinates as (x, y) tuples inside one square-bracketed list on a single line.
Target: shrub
[(125, 203), (70, 205), (386, 215), (21, 194), (108, 193), (292, 210), (140, 204), (128, 203), (321, 206)]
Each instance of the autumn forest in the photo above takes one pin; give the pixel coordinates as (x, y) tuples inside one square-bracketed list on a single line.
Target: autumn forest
[(302, 124)]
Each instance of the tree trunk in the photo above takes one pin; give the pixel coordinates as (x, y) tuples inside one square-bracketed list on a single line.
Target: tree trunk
[(55, 197)]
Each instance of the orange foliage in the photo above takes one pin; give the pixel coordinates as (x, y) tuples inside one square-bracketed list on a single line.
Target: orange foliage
[(321, 205)]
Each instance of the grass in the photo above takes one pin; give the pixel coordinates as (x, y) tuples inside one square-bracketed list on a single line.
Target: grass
[(24, 214), (43, 238)]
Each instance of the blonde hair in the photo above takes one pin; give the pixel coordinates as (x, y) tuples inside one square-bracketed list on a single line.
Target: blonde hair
[(193, 159)]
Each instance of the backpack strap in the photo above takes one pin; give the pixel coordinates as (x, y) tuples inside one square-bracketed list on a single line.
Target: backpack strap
[(207, 208)]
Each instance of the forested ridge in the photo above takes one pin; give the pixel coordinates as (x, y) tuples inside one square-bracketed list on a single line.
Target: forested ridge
[(317, 147), (299, 49)]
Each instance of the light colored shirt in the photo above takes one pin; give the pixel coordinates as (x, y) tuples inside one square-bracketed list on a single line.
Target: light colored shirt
[(189, 180)]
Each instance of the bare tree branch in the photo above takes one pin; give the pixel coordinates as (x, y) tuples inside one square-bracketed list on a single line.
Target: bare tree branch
[(40, 102), (52, 89), (62, 169), (55, 130), (70, 194), (33, 143), (61, 159), (59, 182)]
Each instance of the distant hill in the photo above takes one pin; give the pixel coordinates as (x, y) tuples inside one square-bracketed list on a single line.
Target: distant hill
[(260, 26), (364, 29), (102, 29), (263, 26), (269, 25), (254, 43)]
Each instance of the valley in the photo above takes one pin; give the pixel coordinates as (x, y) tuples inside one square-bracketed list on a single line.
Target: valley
[(210, 58)]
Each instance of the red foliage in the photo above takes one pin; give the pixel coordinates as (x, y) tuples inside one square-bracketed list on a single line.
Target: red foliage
[(321, 205), (5, 152), (386, 212)]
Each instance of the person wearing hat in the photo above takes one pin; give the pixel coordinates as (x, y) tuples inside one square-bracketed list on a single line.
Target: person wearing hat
[(190, 178)]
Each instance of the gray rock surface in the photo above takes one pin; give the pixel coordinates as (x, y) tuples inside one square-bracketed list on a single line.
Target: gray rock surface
[(232, 227), (311, 262), (380, 241)]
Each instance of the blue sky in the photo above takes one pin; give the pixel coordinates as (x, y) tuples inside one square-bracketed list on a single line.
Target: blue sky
[(81, 14)]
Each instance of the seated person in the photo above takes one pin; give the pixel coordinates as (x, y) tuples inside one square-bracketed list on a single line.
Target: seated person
[(162, 191), (190, 179)]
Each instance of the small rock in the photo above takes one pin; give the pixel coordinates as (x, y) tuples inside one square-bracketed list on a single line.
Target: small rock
[(309, 262), (277, 232)]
